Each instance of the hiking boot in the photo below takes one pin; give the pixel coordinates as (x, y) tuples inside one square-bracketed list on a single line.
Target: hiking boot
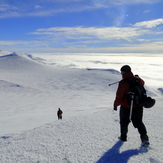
[(145, 143)]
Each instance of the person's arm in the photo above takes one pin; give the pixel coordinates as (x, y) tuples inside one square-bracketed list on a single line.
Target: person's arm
[(120, 94)]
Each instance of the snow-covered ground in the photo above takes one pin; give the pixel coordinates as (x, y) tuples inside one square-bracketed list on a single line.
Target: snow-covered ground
[(33, 87)]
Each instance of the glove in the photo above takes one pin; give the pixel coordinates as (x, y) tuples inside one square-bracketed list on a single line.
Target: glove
[(115, 109)]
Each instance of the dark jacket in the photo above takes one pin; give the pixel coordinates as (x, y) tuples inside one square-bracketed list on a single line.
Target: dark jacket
[(123, 88), (59, 112)]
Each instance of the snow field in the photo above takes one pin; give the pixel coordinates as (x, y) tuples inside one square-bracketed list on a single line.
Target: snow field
[(88, 133)]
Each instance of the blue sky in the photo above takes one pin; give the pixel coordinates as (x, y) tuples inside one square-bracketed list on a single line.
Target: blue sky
[(81, 26)]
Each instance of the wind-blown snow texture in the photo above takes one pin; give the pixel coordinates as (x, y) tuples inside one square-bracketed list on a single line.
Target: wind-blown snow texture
[(32, 90)]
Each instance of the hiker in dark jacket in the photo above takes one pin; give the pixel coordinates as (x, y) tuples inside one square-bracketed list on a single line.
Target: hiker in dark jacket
[(137, 112), (59, 113)]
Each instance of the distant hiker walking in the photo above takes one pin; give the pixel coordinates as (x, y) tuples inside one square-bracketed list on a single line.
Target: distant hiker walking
[(126, 114), (59, 113)]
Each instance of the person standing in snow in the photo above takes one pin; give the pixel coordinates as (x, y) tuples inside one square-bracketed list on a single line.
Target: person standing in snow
[(137, 112), (59, 113)]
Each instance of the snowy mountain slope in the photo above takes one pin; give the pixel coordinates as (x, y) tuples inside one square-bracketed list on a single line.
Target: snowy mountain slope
[(15, 61), (33, 87), (31, 133), (83, 139)]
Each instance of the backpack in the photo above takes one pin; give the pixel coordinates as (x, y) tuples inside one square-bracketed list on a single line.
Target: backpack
[(137, 93)]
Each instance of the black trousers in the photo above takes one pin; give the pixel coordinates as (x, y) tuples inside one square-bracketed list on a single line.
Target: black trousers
[(59, 116), (137, 117)]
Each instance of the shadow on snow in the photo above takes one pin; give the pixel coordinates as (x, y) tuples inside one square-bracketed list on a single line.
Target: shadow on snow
[(113, 155)]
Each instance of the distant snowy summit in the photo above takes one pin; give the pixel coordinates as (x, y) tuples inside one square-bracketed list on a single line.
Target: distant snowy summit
[(13, 54), (14, 61), (10, 55)]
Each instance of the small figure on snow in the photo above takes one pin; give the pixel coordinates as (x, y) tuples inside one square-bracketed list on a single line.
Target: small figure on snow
[(59, 113), (125, 107)]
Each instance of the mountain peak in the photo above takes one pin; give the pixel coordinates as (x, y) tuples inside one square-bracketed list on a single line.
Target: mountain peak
[(10, 55)]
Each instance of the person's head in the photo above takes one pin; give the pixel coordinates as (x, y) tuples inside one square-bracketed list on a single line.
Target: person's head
[(125, 69)]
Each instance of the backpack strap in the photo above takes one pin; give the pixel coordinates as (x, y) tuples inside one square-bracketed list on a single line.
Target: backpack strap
[(127, 81), (130, 82)]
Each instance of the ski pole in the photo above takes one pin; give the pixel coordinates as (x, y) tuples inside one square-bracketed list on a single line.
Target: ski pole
[(131, 107), (113, 83)]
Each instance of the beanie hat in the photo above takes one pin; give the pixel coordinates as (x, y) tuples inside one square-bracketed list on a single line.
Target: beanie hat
[(126, 68)]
